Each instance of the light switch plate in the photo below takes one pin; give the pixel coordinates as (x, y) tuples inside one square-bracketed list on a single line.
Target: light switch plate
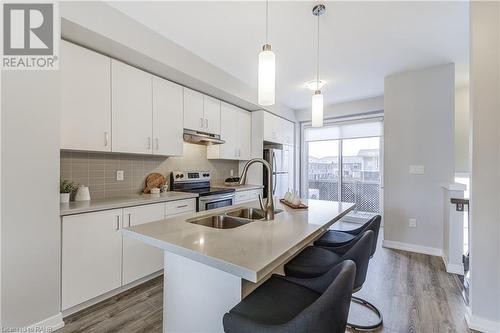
[(412, 223), (417, 169), (120, 174)]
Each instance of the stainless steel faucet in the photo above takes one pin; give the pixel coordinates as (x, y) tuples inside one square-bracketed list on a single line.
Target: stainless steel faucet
[(268, 208)]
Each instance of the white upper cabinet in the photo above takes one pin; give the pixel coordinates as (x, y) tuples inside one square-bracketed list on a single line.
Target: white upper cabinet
[(244, 134), (278, 130), (212, 114), (235, 130), (139, 259), (201, 112), (288, 132), (193, 110), (167, 117), (85, 99), (228, 133), (132, 110), (273, 128)]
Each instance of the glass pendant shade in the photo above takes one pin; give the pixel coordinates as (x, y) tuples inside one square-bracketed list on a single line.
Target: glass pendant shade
[(267, 70), (317, 109)]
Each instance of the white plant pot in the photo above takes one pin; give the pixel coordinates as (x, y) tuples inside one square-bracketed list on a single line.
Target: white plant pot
[(64, 197)]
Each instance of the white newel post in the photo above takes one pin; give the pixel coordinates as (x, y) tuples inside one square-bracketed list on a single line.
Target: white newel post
[(453, 228)]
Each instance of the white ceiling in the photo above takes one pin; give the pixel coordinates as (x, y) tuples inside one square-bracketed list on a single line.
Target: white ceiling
[(361, 42)]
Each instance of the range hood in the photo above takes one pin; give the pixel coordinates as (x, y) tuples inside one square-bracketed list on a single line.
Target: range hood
[(201, 138)]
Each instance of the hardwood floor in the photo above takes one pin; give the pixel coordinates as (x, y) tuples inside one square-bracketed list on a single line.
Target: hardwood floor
[(413, 292)]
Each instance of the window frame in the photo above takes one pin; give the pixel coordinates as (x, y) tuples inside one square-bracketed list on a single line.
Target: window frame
[(304, 151)]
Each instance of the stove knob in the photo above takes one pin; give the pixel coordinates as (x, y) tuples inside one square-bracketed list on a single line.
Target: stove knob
[(182, 176), (176, 176)]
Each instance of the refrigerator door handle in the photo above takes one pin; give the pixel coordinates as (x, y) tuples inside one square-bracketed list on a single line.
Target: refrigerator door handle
[(274, 174), (274, 183)]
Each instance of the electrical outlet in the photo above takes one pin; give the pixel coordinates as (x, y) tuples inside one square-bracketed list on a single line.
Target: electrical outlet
[(231, 172), (412, 223), (120, 174), (417, 170)]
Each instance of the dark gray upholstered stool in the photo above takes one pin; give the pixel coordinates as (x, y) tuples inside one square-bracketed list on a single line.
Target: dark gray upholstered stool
[(343, 240), (294, 305), (315, 260), (337, 244)]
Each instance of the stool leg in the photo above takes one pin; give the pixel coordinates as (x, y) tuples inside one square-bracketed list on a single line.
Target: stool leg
[(372, 308)]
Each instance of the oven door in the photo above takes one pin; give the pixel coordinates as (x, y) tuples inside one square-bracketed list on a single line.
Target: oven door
[(216, 201)]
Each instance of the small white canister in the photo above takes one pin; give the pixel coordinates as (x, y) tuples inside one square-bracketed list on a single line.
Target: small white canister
[(82, 194)]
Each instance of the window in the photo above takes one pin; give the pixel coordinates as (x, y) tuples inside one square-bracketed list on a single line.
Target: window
[(343, 160)]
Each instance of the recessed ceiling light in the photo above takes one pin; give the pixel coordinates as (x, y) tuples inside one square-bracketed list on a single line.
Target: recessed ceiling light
[(313, 85)]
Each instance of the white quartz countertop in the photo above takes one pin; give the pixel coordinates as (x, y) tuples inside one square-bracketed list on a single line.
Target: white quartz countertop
[(71, 208), (245, 187), (250, 251)]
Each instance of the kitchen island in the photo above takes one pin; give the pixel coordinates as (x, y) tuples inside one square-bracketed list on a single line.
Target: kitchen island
[(209, 270)]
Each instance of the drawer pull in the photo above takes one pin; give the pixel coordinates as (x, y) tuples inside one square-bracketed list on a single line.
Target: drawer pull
[(182, 206), (117, 227)]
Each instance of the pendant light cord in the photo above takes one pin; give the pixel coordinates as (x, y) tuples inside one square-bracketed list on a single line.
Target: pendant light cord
[(317, 59), (267, 21)]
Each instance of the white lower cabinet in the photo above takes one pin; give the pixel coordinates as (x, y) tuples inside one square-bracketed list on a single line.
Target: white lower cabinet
[(247, 195), (180, 207), (96, 258), (91, 255), (241, 196), (140, 259)]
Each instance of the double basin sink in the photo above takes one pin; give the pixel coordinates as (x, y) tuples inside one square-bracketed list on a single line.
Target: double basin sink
[(232, 219)]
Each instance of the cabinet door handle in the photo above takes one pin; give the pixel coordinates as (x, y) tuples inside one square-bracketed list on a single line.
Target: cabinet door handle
[(117, 226), (106, 139), (157, 144), (129, 218), (206, 123), (182, 206), (201, 122)]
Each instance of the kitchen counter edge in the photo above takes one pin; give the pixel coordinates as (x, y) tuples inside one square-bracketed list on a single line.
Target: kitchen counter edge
[(82, 207)]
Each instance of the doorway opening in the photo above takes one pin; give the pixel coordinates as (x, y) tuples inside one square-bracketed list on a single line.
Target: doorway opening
[(343, 162)]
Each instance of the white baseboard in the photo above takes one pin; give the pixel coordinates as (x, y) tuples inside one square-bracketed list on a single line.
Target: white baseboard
[(453, 268), (412, 248), (481, 324), (109, 294), (47, 325)]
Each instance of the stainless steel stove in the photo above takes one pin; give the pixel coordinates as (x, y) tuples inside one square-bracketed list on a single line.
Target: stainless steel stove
[(199, 182)]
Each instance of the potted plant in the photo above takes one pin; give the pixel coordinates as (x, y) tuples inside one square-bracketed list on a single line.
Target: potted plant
[(65, 190)]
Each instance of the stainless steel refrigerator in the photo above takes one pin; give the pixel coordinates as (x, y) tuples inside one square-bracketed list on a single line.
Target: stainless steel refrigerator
[(281, 158)]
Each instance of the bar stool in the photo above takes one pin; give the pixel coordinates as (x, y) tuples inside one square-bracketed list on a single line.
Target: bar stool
[(295, 305), (342, 240), (315, 260)]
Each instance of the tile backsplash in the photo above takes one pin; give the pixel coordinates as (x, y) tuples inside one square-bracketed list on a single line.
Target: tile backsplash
[(98, 170)]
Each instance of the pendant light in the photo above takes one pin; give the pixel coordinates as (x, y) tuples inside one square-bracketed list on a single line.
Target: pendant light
[(267, 70), (317, 97)]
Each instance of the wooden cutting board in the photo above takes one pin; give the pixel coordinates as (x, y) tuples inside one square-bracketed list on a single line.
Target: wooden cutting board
[(154, 180)]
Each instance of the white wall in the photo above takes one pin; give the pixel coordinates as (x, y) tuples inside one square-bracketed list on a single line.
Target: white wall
[(30, 197), (106, 29), (418, 130), (361, 106), (462, 129), (485, 176)]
